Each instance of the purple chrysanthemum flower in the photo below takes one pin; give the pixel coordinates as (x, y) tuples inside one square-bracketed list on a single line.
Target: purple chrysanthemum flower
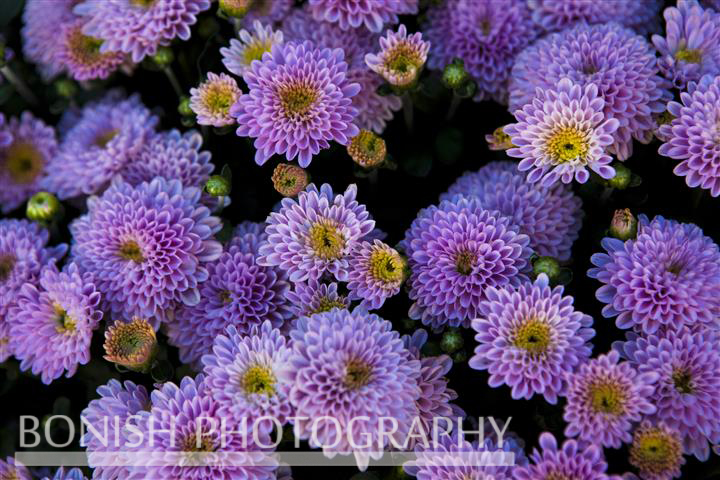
[(5, 351), (110, 415), (667, 277), (605, 398), (212, 100), (561, 133), (550, 216), (248, 236), (691, 46), (486, 34), (247, 375), (139, 27), (656, 451), (106, 137), (529, 338), (687, 395), (346, 365), (401, 57), (51, 324), (315, 233), (376, 272), (24, 159), (374, 110), (568, 461), (13, 470), (307, 299), (251, 46), (5, 135), (270, 12), (299, 99), (349, 14), (69, 474), (640, 15), (237, 292), (80, 54), (693, 135), (41, 21), (147, 246), (455, 252), (618, 62)]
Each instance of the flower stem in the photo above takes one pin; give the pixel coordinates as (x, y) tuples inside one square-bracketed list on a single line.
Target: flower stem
[(19, 85), (454, 104), (173, 81), (408, 111)]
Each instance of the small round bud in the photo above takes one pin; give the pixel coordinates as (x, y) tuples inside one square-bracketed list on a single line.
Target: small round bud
[(218, 186), (43, 207), (547, 265), (65, 87), (163, 57), (624, 225), (622, 178), (499, 140), (289, 180), (236, 8), (454, 75), (184, 107), (460, 357), (367, 149), (451, 341), (131, 345)]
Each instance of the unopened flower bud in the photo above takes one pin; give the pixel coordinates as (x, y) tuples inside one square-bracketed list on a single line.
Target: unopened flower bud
[(289, 180), (451, 341), (624, 225), (132, 345), (367, 149), (454, 75), (547, 265), (499, 140), (65, 87), (43, 207), (163, 57), (218, 186), (236, 8), (184, 107), (622, 178)]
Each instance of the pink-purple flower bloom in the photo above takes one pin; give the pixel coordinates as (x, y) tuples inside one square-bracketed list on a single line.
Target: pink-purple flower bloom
[(80, 54), (311, 297), (401, 57), (376, 272), (553, 15), (249, 47), (372, 14), (211, 101), (41, 22)]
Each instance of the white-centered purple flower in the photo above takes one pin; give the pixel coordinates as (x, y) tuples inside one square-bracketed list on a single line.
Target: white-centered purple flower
[(212, 99)]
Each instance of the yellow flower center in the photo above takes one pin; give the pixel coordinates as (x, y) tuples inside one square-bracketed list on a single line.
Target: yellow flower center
[(683, 381), (194, 444), (387, 266), (255, 50), (325, 304), (7, 263), (64, 322), (143, 3), (24, 162), (259, 379), (692, 55), (533, 336), (567, 144), (654, 451), (606, 396), (464, 262), (357, 374), (403, 59), (297, 100), (326, 240), (367, 149), (130, 250), (86, 49), (218, 99), (102, 139)]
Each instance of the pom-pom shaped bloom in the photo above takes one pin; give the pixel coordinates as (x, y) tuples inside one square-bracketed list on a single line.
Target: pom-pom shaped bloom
[(51, 324), (667, 277), (568, 461), (131, 344), (345, 366), (247, 375), (237, 292), (656, 451), (307, 299), (80, 54), (106, 137), (401, 57), (212, 100), (266, 12), (529, 338), (376, 272), (289, 179), (139, 27), (251, 46), (486, 34), (147, 246), (315, 233), (550, 216), (693, 136), (691, 46), (374, 110), (306, 93), (248, 236), (688, 390), (590, 54), (455, 252), (349, 14), (41, 21), (553, 15), (28, 146), (13, 470), (605, 398), (561, 133)]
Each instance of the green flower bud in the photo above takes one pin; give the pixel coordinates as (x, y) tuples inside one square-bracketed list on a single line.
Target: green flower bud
[(622, 178), (547, 265), (163, 57), (218, 186), (451, 341), (65, 87), (184, 107), (43, 207), (454, 75), (624, 225)]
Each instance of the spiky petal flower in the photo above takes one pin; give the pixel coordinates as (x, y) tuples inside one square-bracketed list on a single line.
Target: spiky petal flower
[(313, 297), (401, 57), (373, 15), (51, 324), (212, 100), (289, 179), (562, 133), (656, 451), (138, 28), (586, 54), (529, 338), (147, 246), (315, 233), (13, 470), (41, 22), (367, 149), (345, 366), (376, 272), (305, 90), (688, 390), (132, 345), (691, 46), (251, 46), (667, 277), (638, 15), (80, 54), (24, 159), (550, 216), (455, 252), (692, 136)]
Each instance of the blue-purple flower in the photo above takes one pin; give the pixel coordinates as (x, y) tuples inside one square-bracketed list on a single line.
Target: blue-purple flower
[(311, 297), (554, 15), (69, 474), (376, 272), (13, 470), (349, 14), (401, 57), (41, 22)]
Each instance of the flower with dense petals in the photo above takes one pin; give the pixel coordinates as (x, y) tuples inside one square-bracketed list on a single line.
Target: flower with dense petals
[(455, 252), (693, 135), (28, 146), (345, 366), (376, 272), (70, 474), (238, 292), (687, 395), (147, 246), (315, 233), (138, 27), (41, 22), (486, 34), (268, 12), (251, 46), (374, 110), (248, 236), (110, 415), (289, 179), (12, 470), (561, 133), (691, 46), (550, 216), (605, 398), (132, 345), (618, 62), (106, 137), (570, 461), (51, 324), (307, 299), (350, 14), (656, 451), (401, 57), (247, 375), (640, 15), (367, 149), (667, 277), (80, 54), (299, 99), (529, 338), (212, 100)]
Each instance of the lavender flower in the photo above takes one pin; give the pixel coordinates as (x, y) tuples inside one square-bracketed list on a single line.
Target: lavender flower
[(80, 54), (41, 22), (374, 110), (212, 100), (307, 299), (248, 236), (373, 15), (266, 12), (401, 57), (376, 272), (70, 474), (638, 15), (656, 451), (13, 470), (251, 46)]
